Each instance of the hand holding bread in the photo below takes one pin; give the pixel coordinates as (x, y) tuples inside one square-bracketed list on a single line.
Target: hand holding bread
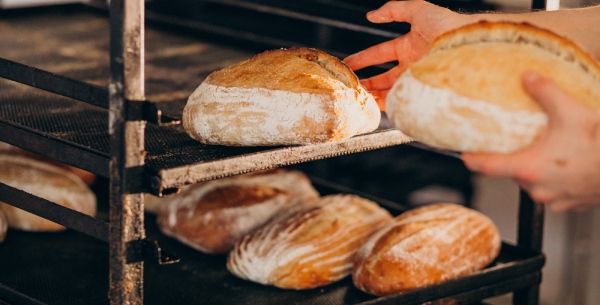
[(466, 93)]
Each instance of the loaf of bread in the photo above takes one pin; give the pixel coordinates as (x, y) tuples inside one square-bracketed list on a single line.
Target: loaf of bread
[(211, 216), (423, 246), (46, 181), (466, 93), (311, 246), (3, 226), (86, 176), (281, 97)]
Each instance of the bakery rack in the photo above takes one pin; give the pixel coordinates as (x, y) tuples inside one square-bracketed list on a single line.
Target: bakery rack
[(55, 101)]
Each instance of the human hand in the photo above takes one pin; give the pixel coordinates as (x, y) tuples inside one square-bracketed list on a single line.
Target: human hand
[(427, 22), (562, 167)]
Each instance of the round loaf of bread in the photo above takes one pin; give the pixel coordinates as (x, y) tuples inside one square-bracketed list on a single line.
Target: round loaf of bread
[(310, 246), (466, 93), (46, 181), (211, 216), (3, 226), (423, 246), (281, 97)]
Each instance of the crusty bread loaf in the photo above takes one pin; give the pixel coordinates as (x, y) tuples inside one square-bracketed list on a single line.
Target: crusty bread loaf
[(467, 95), (3, 226), (309, 247), (281, 97), (86, 176), (423, 246), (211, 216), (46, 181)]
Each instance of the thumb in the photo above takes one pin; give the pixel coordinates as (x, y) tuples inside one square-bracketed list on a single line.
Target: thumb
[(547, 94), (492, 164)]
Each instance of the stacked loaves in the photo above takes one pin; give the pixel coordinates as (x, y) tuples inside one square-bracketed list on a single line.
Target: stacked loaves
[(277, 230)]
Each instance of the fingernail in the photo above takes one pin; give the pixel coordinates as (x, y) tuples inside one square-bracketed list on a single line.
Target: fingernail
[(375, 18)]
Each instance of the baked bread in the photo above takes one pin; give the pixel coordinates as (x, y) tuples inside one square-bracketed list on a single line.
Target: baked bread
[(309, 247), (423, 246), (466, 93), (86, 176), (3, 226), (281, 97), (47, 181), (211, 216)]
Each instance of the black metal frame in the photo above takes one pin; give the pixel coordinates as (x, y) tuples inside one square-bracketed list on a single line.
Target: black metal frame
[(129, 111)]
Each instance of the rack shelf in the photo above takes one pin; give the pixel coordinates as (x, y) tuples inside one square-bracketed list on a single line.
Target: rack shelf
[(60, 124), (74, 267)]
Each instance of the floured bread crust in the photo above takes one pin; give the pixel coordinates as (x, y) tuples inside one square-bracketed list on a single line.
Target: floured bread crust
[(211, 216), (466, 94), (47, 181), (281, 97), (424, 246), (311, 246)]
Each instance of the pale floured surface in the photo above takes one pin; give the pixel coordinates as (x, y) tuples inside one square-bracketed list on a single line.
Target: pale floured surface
[(258, 116), (425, 246), (213, 225), (310, 246), (442, 118), (47, 181)]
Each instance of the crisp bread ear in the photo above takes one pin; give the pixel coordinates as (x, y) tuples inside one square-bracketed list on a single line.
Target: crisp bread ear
[(519, 33), (332, 64)]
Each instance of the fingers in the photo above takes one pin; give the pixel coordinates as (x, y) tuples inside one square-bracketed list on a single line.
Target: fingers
[(399, 11), (545, 92), (493, 164), (383, 81), (378, 54)]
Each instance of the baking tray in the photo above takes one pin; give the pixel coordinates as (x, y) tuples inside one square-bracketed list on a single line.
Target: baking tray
[(68, 268), (77, 133)]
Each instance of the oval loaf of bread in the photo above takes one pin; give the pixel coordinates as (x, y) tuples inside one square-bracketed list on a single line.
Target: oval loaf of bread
[(280, 97), (311, 246), (211, 216), (46, 181), (466, 93), (3, 226), (424, 246)]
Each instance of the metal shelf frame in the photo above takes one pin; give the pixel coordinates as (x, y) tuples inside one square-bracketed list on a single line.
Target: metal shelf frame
[(128, 115)]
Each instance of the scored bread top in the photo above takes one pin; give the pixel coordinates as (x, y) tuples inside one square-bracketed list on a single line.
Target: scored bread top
[(295, 69), (484, 61)]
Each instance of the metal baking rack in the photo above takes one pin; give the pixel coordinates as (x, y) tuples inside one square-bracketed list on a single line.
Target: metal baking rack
[(134, 141)]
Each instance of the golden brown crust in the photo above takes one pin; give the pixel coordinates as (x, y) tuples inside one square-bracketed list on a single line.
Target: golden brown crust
[(213, 215), (3, 226), (287, 69), (309, 247), (47, 181), (424, 246)]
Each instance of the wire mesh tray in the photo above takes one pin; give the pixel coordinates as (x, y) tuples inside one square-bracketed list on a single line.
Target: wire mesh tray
[(70, 268)]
